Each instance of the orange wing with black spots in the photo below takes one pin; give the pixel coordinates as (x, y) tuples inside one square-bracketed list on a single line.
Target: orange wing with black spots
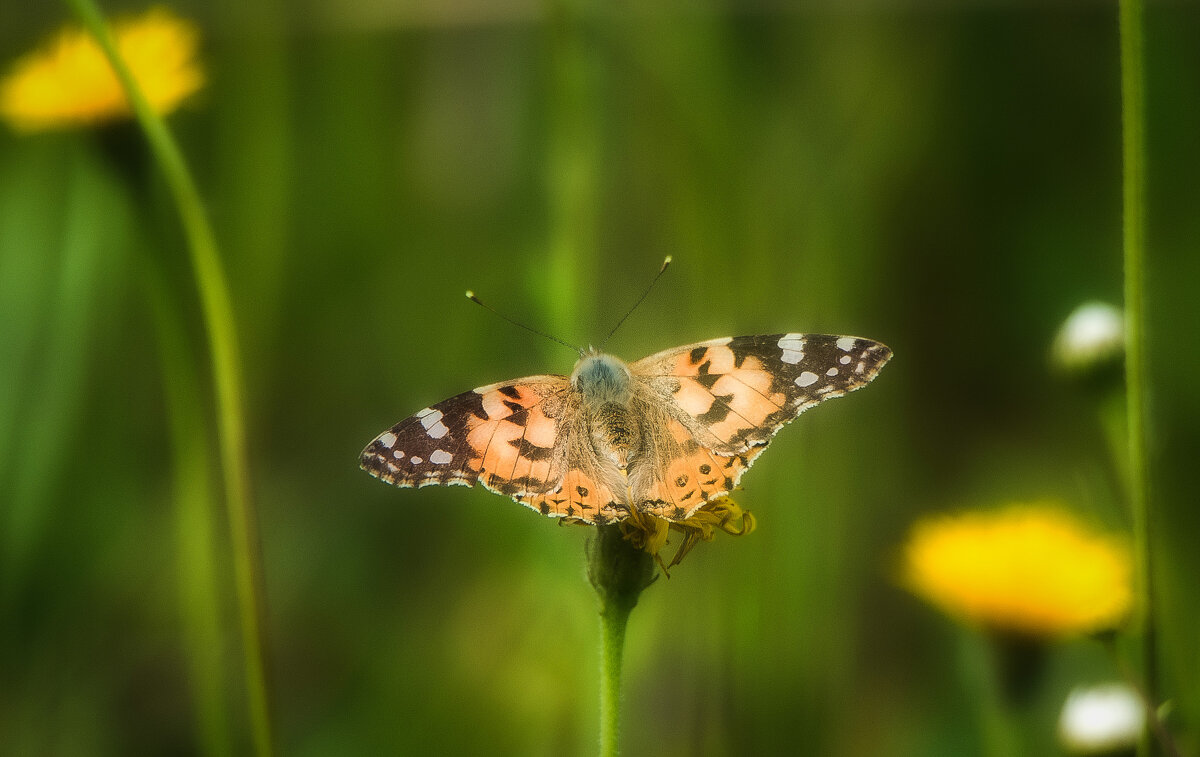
[(736, 393), (679, 474), (584, 494), (517, 438), (503, 435), (725, 399)]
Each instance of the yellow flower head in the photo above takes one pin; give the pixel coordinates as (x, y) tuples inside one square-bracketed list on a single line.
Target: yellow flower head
[(1029, 569), (649, 533), (69, 82)]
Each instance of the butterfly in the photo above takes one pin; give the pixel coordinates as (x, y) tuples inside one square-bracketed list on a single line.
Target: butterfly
[(661, 436)]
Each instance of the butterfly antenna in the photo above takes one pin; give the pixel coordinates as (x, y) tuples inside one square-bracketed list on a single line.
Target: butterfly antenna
[(471, 296), (657, 276)]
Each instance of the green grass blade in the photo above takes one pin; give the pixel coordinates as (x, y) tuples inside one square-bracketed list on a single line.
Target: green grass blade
[(1133, 119), (224, 353)]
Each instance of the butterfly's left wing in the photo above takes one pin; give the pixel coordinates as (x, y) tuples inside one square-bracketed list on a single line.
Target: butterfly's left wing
[(503, 436), (520, 438), (725, 399)]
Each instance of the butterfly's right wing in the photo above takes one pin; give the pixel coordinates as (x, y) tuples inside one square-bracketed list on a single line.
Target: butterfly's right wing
[(722, 401), (736, 393)]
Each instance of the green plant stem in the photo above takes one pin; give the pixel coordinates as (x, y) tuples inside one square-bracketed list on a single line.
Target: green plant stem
[(977, 660), (195, 506), (1134, 193), (613, 619), (223, 352), (1113, 419), (1154, 720), (62, 317), (619, 572)]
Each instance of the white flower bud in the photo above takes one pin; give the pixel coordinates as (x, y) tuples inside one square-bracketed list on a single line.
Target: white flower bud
[(1101, 719), (1091, 339)]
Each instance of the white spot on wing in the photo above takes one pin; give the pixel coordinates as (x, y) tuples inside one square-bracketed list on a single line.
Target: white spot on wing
[(441, 457), (396, 453), (387, 439), (793, 348), (831, 372), (844, 359), (846, 343), (432, 421), (808, 378), (416, 460)]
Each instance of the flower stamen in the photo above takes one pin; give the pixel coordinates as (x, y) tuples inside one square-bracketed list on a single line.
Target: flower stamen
[(650, 533)]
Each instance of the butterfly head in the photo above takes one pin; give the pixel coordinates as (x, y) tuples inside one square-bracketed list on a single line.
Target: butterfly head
[(602, 378)]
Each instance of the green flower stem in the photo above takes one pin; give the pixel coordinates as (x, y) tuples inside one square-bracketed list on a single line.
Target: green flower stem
[(619, 571), (1153, 717), (978, 660), (1133, 119), (613, 620), (195, 505), (223, 351), (1114, 418)]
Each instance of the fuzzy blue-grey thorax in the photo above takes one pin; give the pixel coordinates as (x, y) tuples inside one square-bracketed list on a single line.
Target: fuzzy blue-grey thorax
[(602, 378)]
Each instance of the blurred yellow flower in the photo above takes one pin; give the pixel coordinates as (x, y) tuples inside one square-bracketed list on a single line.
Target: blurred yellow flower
[(1032, 570), (69, 81)]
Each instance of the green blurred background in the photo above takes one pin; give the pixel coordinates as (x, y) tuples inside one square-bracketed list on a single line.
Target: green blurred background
[(943, 177)]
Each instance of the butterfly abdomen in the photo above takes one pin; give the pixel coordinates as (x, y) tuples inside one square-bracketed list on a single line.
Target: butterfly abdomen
[(616, 433), (605, 388)]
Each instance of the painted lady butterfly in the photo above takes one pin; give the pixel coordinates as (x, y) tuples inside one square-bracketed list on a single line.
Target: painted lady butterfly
[(663, 435)]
